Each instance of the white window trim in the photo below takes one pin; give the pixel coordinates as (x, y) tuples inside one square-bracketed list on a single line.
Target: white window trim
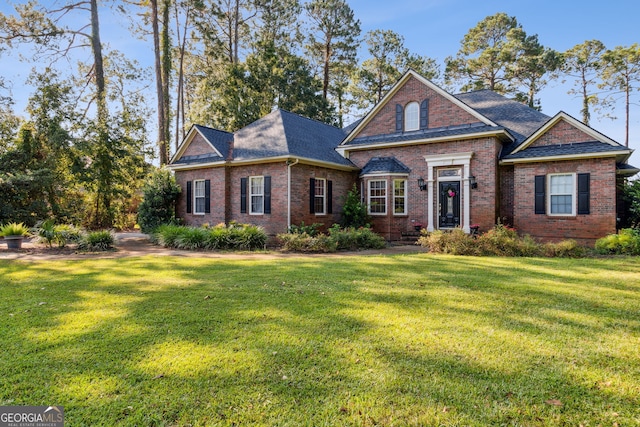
[(574, 194), (324, 196), (251, 195), (195, 197), (386, 195), (406, 117), (405, 198)]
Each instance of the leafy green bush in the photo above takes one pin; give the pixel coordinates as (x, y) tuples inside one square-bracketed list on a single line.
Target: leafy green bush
[(338, 239), (352, 238), (49, 232), (302, 242), (312, 229), (354, 212), (159, 201), (102, 240), (626, 242), (232, 237)]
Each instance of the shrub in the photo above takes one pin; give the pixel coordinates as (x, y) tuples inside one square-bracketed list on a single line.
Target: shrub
[(354, 212), (312, 230), (14, 229), (102, 240), (233, 237), (565, 249), (502, 240), (351, 238), (50, 233), (626, 242), (302, 242), (455, 242), (160, 195)]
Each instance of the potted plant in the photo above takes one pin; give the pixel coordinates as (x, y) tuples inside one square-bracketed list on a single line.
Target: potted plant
[(417, 225), (13, 234)]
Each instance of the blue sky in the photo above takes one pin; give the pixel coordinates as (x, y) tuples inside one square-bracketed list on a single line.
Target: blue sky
[(435, 28)]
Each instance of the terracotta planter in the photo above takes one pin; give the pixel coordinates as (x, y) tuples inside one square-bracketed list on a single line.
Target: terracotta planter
[(14, 242)]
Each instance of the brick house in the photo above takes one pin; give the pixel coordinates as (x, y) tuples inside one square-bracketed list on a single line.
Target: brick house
[(422, 157)]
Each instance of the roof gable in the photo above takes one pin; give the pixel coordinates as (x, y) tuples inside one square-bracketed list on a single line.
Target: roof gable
[(381, 119), (384, 166), (564, 129), (203, 143)]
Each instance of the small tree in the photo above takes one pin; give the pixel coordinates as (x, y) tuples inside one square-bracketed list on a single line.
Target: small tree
[(160, 195), (354, 212)]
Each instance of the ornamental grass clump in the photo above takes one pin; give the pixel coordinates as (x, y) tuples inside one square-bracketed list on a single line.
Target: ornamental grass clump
[(454, 242), (14, 229), (221, 237), (352, 238), (102, 240), (303, 242)]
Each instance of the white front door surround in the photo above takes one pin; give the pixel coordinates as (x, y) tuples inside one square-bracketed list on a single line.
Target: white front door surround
[(462, 160)]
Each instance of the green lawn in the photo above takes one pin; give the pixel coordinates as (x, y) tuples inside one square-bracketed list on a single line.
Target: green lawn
[(415, 340)]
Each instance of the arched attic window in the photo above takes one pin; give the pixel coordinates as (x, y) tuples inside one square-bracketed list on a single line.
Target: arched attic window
[(412, 117)]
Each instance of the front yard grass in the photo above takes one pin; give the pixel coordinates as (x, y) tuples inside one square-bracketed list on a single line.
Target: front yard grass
[(415, 340)]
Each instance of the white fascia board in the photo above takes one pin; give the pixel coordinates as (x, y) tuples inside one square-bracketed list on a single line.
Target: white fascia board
[(566, 157)]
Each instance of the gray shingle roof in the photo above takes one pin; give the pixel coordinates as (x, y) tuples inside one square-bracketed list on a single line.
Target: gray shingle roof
[(200, 158), (218, 138), (519, 119), (282, 133), (590, 147), (425, 134), (384, 165)]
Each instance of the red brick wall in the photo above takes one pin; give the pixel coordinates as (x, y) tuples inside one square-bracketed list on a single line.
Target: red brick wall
[(562, 133), (442, 112), (217, 177), (484, 199), (583, 228), (300, 210), (506, 195), (198, 146)]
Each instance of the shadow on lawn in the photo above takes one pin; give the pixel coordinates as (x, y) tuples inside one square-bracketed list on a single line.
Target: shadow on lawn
[(397, 340)]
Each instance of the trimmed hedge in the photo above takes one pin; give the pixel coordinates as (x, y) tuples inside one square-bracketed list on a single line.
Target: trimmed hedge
[(349, 238), (626, 242)]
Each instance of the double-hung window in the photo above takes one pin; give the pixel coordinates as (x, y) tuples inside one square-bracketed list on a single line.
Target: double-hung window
[(256, 194), (399, 196), (199, 197), (412, 117), (378, 197), (562, 194), (320, 198)]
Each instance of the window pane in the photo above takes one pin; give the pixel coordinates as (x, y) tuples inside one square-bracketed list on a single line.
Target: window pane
[(377, 197), (257, 194), (199, 188), (561, 184), (399, 192), (561, 204), (412, 116)]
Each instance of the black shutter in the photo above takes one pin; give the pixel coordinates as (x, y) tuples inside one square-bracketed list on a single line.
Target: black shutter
[(189, 195), (312, 195), (583, 193), (207, 196), (399, 118), (540, 195), (329, 196), (267, 194), (424, 114), (243, 195)]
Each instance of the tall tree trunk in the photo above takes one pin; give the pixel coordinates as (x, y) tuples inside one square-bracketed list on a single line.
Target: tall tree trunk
[(626, 123), (327, 59), (162, 143), (585, 101), (166, 72), (182, 45)]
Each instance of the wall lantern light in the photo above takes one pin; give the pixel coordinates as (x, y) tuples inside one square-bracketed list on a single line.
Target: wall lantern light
[(422, 184), (472, 181)]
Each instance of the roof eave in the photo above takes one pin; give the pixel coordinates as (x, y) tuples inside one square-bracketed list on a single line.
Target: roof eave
[(582, 156), (346, 148)]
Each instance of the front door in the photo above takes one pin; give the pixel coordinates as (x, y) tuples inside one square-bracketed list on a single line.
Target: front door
[(449, 204)]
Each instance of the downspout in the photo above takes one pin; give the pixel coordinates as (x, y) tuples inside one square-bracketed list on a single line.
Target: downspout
[(289, 164)]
